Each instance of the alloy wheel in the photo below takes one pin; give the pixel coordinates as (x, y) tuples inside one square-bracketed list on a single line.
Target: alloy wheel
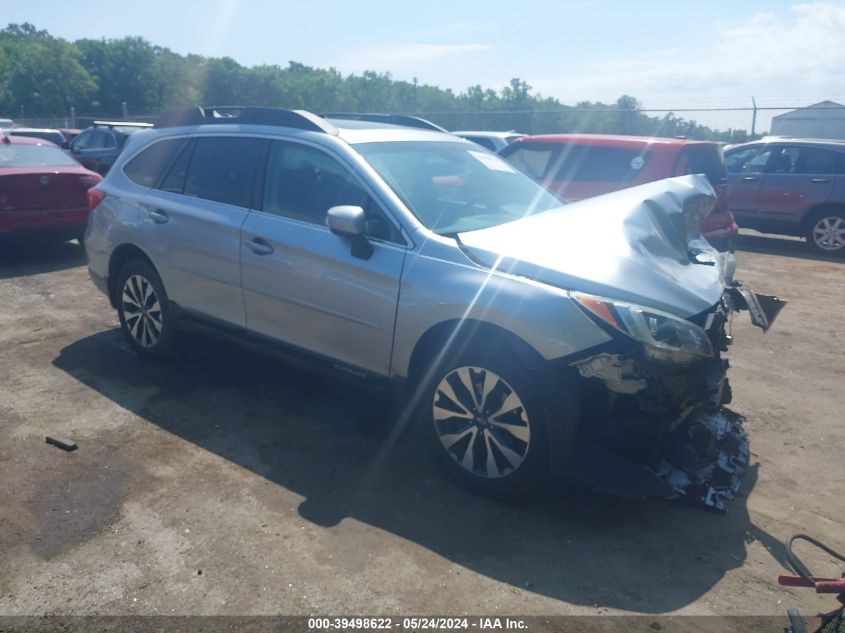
[(481, 422), (829, 233), (141, 310)]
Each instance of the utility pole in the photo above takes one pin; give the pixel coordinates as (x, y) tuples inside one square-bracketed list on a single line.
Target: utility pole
[(753, 116)]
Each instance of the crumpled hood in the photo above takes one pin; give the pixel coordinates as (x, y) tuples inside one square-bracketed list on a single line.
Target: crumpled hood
[(635, 245)]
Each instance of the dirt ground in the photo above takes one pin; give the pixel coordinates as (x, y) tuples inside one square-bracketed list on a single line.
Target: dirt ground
[(232, 483)]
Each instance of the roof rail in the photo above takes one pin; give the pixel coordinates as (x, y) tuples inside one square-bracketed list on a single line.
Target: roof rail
[(122, 124), (299, 119), (396, 119)]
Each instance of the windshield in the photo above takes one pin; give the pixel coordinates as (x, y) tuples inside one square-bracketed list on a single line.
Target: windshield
[(456, 187), (14, 155)]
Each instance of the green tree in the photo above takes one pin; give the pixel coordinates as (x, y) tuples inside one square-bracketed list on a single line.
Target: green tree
[(125, 70), (42, 75)]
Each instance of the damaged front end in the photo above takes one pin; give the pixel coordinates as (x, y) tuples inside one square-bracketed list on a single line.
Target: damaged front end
[(655, 421)]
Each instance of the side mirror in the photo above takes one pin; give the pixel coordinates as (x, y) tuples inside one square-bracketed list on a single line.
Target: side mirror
[(347, 220), (350, 221)]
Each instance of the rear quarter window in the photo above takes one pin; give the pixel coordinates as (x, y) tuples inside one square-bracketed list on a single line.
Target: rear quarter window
[(534, 161), (702, 159), (147, 167)]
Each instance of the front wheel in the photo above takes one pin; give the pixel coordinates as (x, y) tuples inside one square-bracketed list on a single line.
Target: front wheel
[(826, 233), (485, 423), (143, 309)]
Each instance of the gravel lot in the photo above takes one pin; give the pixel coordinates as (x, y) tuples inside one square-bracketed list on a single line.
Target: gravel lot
[(233, 483)]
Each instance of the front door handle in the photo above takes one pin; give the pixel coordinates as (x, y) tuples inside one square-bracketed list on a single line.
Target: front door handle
[(259, 246), (821, 180), (750, 178), (158, 216)]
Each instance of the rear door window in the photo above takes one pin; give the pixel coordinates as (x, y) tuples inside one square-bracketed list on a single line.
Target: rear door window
[(101, 139), (223, 169), (815, 160), (147, 167)]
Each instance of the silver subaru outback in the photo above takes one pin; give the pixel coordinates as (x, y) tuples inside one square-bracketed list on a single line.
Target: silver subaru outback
[(528, 337)]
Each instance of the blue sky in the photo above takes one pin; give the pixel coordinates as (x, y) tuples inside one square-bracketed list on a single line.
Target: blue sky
[(668, 54)]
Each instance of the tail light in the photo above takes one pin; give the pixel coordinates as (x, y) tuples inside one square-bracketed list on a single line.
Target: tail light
[(90, 181), (95, 197)]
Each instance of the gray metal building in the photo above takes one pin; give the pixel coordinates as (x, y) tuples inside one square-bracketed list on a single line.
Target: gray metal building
[(820, 120)]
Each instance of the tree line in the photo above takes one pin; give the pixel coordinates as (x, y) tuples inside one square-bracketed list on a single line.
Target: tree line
[(46, 76)]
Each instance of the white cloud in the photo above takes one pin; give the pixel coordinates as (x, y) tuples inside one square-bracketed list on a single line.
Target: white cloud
[(788, 59), (404, 57)]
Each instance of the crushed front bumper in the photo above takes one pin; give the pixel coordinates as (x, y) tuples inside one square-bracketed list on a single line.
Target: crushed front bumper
[(703, 463), (706, 458), (652, 430)]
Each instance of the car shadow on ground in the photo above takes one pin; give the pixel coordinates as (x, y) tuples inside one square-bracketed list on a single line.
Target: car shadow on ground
[(20, 257), (779, 245), (307, 432)]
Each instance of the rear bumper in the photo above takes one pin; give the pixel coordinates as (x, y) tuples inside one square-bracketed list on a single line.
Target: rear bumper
[(70, 221)]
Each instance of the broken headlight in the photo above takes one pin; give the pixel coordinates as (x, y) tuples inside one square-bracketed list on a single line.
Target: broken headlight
[(665, 337)]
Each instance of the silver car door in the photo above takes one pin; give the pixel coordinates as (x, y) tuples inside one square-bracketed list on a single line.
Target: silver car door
[(191, 224), (302, 283)]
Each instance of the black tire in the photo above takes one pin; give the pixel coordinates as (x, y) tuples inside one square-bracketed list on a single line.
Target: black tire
[(148, 328), (484, 436), (825, 232)]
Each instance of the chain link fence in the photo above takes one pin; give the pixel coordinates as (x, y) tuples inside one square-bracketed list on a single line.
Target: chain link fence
[(660, 121)]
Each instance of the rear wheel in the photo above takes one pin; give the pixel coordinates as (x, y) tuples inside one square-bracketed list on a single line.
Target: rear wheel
[(484, 421), (143, 309), (826, 232)]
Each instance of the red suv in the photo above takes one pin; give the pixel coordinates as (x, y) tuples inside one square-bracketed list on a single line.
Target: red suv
[(791, 186), (577, 166)]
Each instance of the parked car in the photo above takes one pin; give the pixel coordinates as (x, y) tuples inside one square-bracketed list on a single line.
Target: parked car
[(70, 133), (494, 141), (792, 187), (43, 191), (578, 166), (526, 336), (98, 146), (54, 136)]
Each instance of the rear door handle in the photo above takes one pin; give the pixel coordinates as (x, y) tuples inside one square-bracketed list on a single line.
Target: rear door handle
[(750, 178), (821, 180), (158, 216), (259, 246)]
